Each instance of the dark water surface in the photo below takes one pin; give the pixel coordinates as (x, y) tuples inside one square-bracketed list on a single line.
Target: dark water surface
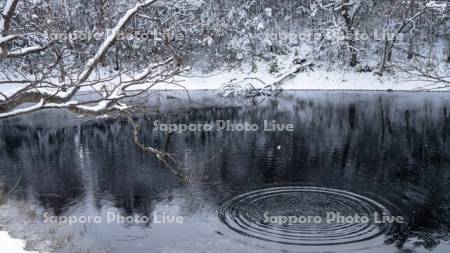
[(350, 152)]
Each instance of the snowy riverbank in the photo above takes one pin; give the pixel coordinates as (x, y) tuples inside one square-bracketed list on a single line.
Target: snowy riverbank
[(317, 80)]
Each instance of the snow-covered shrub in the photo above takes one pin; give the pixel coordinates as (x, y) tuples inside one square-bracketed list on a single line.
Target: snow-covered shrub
[(274, 68)]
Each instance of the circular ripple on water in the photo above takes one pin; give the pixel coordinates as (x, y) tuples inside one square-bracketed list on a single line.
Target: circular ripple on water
[(248, 215)]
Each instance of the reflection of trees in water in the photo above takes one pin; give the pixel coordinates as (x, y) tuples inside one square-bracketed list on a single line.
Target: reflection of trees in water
[(380, 145), (43, 160), (392, 147), (58, 166), (134, 180)]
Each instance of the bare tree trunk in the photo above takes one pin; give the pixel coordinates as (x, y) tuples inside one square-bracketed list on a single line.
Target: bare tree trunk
[(349, 33), (385, 52), (100, 22), (5, 21), (448, 48), (411, 46), (406, 21), (7, 16)]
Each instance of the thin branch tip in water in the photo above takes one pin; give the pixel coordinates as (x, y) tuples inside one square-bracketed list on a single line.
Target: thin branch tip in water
[(166, 158)]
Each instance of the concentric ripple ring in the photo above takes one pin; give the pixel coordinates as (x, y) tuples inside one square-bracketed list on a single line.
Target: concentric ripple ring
[(257, 214)]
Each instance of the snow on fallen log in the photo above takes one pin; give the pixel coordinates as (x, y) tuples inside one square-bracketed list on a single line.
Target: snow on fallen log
[(250, 87), (246, 88)]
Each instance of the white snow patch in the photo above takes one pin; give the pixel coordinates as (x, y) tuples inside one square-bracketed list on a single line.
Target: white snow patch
[(260, 26), (102, 105), (10, 245), (106, 116), (440, 6)]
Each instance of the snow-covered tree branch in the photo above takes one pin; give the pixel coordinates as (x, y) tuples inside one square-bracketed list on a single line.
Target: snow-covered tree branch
[(59, 82)]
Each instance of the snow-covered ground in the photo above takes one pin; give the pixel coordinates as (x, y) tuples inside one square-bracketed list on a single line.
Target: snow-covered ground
[(320, 78), (317, 80), (10, 245), (312, 80)]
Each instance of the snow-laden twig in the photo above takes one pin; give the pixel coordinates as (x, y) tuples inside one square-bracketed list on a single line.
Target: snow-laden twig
[(6, 39), (23, 110), (25, 51), (437, 79)]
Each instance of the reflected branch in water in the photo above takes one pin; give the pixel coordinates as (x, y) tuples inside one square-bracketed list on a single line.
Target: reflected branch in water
[(166, 158)]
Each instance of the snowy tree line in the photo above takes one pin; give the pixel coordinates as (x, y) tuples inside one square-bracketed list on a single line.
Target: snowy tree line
[(333, 31), (53, 49), (330, 31)]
